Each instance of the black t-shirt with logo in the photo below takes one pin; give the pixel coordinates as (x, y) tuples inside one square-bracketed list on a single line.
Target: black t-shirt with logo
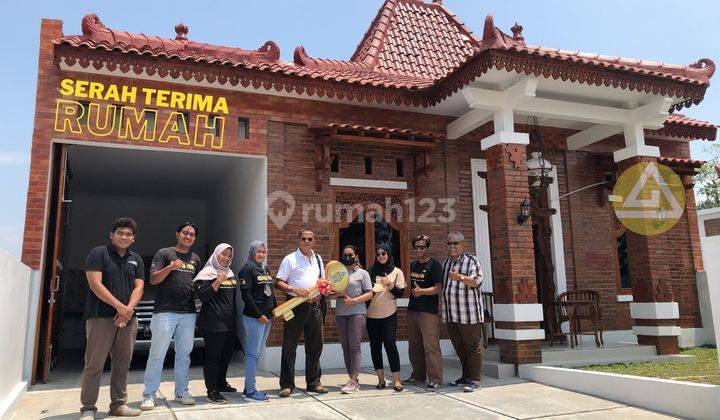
[(425, 275), (217, 313), (257, 291), (175, 293), (118, 276)]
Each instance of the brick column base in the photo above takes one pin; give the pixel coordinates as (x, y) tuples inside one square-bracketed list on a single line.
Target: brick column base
[(520, 352), (663, 344)]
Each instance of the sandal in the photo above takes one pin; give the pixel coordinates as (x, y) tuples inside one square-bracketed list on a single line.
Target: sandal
[(381, 385), (398, 388)]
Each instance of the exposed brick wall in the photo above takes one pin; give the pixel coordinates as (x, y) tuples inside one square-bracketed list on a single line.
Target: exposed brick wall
[(712, 227), (278, 129)]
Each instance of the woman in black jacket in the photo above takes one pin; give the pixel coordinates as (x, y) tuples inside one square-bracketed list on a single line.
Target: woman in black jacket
[(215, 286)]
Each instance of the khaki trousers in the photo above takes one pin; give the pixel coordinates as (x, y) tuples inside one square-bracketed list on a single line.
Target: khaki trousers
[(103, 339), (424, 346)]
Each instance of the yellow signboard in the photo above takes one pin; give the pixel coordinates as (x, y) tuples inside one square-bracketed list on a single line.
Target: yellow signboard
[(129, 112)]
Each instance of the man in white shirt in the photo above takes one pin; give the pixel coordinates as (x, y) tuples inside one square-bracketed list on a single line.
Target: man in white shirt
[(298, 272)]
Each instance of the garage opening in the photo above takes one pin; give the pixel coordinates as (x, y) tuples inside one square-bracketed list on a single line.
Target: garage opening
[(224, 195)]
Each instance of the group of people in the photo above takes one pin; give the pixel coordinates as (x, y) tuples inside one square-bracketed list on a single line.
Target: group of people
[(230, 303)]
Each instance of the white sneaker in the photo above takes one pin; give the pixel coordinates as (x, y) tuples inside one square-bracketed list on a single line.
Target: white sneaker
[(350, 387), (148, 402), (87, 415), (185, 398)]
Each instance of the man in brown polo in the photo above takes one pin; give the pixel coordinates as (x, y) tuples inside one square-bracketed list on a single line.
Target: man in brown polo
[(115, 276)]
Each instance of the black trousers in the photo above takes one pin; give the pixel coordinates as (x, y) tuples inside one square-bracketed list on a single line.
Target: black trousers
[(382, 332), (308, 321), (219, 348)]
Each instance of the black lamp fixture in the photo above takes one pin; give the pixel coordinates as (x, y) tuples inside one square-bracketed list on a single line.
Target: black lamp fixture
[(524, 212)]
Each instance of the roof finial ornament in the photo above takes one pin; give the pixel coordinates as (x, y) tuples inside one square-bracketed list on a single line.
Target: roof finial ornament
[(437, 1), (181, 30), (517, 33)]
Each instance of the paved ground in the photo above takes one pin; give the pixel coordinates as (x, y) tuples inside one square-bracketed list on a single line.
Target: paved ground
[(499, 399)]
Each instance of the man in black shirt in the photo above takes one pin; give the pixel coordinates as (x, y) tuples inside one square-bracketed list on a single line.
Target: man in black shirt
[(423, 325), (115, 276), (172, 272)]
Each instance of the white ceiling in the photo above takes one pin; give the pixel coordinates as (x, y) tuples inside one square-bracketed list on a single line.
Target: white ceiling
[(146, 172)]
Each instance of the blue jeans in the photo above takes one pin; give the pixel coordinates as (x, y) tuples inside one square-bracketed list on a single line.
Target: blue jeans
[(255, 337), (164, 326)]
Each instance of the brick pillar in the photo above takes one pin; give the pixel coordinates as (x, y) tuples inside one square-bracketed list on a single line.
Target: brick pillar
[(653, 309), (35, 208), (516, 311)]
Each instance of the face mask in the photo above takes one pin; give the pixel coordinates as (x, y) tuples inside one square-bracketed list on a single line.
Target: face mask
[(347, 259)]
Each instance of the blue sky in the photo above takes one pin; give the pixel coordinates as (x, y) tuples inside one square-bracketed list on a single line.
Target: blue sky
[(659, 30)]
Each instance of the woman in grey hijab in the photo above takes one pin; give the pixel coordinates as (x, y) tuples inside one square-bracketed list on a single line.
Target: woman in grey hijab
[(256, 287)]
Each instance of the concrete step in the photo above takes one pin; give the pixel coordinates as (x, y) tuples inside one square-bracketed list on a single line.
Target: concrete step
[(498, 370), (553, 355)]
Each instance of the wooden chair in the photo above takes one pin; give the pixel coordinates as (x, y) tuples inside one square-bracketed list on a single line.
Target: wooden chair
[(488, 298), (576, 307)]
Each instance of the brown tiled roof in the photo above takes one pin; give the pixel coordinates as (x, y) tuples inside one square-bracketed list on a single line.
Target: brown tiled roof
[(418, 39), (368, 130), (681, 161), (419, 52), (678, 125), (96, 36)]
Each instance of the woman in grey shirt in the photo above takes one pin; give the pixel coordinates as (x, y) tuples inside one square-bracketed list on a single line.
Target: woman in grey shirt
[(350, 315)]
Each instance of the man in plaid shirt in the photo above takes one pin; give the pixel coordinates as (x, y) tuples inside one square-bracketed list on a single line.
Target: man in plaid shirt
[(462, 310)]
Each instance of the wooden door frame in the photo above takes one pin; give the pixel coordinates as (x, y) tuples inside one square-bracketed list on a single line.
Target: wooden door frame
[(51, 270), (401, 226)]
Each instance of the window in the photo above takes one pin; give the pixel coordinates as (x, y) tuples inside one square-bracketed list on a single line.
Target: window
[(243, 128), (399, 168), (183, 124), (118, 117), (83, 111), (334, 163), (368, 165), (622, 258), (150, 115), (216, 131)]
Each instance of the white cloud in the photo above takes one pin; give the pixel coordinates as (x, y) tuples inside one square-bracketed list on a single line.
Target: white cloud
[(13, 158)]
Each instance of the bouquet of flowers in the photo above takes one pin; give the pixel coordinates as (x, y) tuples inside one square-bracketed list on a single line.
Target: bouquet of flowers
[(324, 286)]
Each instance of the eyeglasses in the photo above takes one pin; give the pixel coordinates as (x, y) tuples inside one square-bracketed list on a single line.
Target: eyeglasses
[(188, 234), (420, 247), (306, 239), (381, 254), (124, 234), (453, 243)]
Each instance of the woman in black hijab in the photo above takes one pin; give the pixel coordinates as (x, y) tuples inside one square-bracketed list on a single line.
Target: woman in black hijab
[(388, 285)]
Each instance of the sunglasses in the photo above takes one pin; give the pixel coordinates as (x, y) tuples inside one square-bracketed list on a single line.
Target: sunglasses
[(349, 255), (453, 243), (307, 239), (381, 254), (420, 247)]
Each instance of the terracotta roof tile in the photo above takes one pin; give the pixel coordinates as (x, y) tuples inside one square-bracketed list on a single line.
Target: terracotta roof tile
[(378, 130), (412, 45), (96, 36), (678, 125), (681, 161), (697, 73)]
